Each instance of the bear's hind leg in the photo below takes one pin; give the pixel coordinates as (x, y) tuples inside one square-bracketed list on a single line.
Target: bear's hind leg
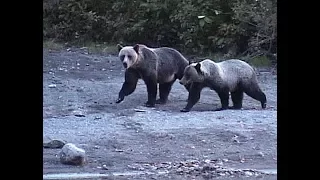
[(164, 90), (256, 93), (237, 98)]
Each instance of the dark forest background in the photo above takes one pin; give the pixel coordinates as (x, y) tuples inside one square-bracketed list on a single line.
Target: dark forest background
[(228, 28)]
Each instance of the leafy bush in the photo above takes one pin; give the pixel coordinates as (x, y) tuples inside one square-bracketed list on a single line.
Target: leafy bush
[(231, 27), (73, 19)]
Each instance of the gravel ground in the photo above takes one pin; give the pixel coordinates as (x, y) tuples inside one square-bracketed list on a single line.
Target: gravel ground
[(79, 91)]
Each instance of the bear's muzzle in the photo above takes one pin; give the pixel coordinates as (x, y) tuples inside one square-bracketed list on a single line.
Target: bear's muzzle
[(125, 65)]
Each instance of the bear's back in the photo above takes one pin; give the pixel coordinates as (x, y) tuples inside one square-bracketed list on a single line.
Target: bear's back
[(237, 71), (170, 62), (236, 67), (170, 56)]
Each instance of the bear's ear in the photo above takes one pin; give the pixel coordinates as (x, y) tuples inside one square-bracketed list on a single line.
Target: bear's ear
[(190, 62), (198, 67), (136, 48), (119, 47)]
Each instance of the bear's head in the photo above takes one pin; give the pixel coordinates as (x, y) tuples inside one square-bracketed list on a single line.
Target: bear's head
[(192, 73), (129, 55)]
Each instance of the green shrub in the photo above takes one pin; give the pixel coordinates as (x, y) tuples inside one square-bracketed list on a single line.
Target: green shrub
[(230, 27)]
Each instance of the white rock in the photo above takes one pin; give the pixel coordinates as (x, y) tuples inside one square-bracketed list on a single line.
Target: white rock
[(52, 86), (72, 155), (247, 173), (104, 167)]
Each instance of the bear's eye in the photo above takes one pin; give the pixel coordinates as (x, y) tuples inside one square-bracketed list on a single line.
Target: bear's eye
[(129, 56), (122, 57)]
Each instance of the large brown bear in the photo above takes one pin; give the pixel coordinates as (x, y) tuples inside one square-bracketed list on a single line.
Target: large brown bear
[(155, 66), (233, 76)]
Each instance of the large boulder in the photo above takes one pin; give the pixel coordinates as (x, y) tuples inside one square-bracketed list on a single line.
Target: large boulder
[(72, 155)]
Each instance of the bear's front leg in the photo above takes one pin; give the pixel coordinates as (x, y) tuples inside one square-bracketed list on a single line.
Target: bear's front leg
[(129, 85), (194, 96), (151, 84)]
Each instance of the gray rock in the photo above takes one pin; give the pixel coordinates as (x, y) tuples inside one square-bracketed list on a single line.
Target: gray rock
[(72, 155), (78, 113), (53, 144)]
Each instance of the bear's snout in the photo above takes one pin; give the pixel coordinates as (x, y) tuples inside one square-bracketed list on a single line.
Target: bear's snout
[(125, 65)]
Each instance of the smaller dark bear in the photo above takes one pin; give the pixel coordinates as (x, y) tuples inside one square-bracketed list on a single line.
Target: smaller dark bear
[(233, 76), (155, 66)]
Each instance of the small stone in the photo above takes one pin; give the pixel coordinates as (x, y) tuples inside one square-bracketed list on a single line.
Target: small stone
[(72, 155), (80, 89), (209, 168), (235, 139), (247, 173), (54, 144), (105, 167), (261, 154), (80, 115), (220, 163), (52, 86), (139, 110)]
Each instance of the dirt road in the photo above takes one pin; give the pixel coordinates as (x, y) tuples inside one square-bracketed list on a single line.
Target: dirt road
[(151, 143)]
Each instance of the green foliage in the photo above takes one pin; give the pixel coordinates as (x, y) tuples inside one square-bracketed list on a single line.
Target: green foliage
[(260, 61), (230, 27), (51, 44), (73, 19), (259, 20)]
